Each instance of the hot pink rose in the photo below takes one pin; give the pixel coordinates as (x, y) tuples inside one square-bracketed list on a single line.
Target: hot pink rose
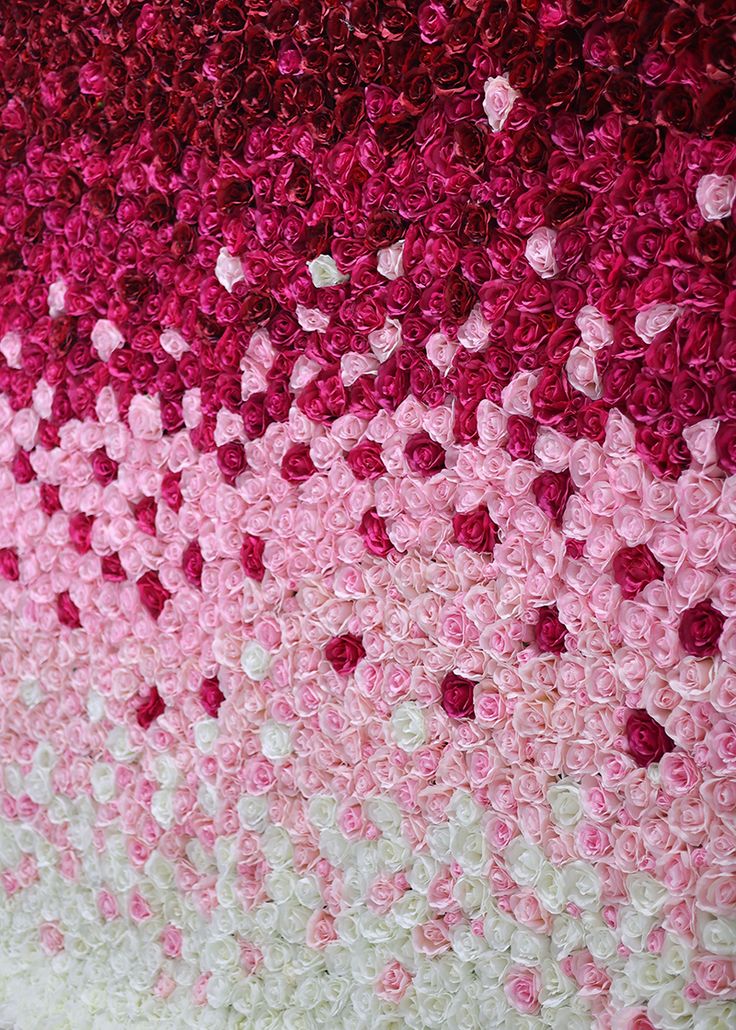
[(475, 530), (150, 708)]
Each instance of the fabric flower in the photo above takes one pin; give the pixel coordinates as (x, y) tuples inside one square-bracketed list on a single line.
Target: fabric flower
[(475, 530), (634, 568), (344, 652), (646, 739), (457, 696), (700, 629), (149, 709)]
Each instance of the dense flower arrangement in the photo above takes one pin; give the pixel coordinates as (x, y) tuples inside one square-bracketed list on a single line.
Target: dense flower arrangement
[(368, 537)]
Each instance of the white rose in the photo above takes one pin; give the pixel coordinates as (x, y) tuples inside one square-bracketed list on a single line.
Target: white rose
[(207, 799), (408, 726), (102, 781), (564, 801), (715, 195), (498, 100), (568, 935), (469, 848), (549, 889), (472, 895), (56, 298), (527, 947), (30, 692), (438, 842), (581, 885), (655, 319), (322, 811), (162, 808), (159, 871), (715, 1015), (275, 741), (646, 973), (524, 861), (255, 661), (390, 263), (173, 343), (385, 813), (206, 732), (601, 944), (668, 1008), (324, 272), (634, 928), (95, 706), (276, 846), (119, 745), (719, 935), (556, 987), (498, 930), (106, 338), (647, 895), (410, 910), (540, 252), (311, 320), (228, 270), (595, 330)]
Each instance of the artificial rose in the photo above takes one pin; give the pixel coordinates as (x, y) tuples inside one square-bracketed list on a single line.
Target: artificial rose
[(67, 611), (211, 696), (372, 529), (498, 99), (475, 530), (424, 455), (251, 556), (634, 568), (192, 563), (457, 696), (700, 629), (647, 741), (297, 465), (715, 195), (550, 633), (231, 461), (149, 709), (726, 447), (365, 460), (552, 491), (344, 652), (152, 593), (9, 566)]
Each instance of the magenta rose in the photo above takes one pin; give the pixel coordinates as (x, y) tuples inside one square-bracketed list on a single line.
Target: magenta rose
[(646, 739), (726, 447), (21, 467), (251, 556), (424, 455), (344, 652), (152, 593), (49, 499), (9, 568), (211, 696), (112, 568), (375, 537), (104, 469), (171, 491), (80, 532), (255, 417), (192, 563), (551, 491), (700, 630), (521, 435), (67, 611), (297, 465), (231, 460), (475, 530), (457, 696), (365, 460), (550, 632), (145, 515), (149, 708), (634, 568)]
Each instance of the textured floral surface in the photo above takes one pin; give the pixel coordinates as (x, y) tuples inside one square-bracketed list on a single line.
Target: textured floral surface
[(368, 537)]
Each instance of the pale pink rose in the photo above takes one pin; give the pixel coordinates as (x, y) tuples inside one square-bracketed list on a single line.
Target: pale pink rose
[(517, 396), (440, 351), (716, 892), (714, 974), (384, 341), (144, 418), (393, 982), (655, 319), (173, 343), (582, 372), (715, 195), (722, 746), (164, 986), (312, 320), (56, 298), (552, 450), (700, 440), (390, 264), (228, 270), (521, 986), (498, 99), (10, 348), (473, 333), (51, 938), (595, 331), (320, 930), (106, 338), (431, 938), (540, 252)]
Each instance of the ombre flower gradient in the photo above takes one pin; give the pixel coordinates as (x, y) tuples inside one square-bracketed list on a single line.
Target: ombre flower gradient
[(368, 537)]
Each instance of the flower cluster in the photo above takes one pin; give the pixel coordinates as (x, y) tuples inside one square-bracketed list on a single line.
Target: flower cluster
[(368, 482)]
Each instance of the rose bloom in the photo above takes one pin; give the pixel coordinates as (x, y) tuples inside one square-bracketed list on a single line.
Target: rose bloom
[(297, 465), (498, 99), (634, 568), (726, 447), (700, 630), (424, 455), (9, 568), (231, 460), (149, 708), (211, 696), (540, 252), (550, 632), (647, 740), (67, 611), (251, 557), (457, 696), (344, 652), (365, 460), (372, 529), (192, 563), (552, 491), (475, 530), (152, 593), (715, 195)]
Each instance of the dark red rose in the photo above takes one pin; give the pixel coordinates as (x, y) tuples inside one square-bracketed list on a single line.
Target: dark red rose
[(344, 652), (152, 593), (375, 536), (211, 696), (171, 491), (475, 530), (21, 467), (49, 499), (144, 513), (112, 568), (251, 556), (192, 563), (457, 696), (646, 739), (552, 491), (149, 708), (104, 469), (231, 460), (80, 532), (521, 435), (726, 447), (700, 630), (9, 568), (567, 204), (67, 611), (297, 465), (550, 632), (634, 568), (255, 417), (365, 460), (424, 455)]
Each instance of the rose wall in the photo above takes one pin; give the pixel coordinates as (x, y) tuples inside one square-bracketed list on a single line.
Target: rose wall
[(368, 514)]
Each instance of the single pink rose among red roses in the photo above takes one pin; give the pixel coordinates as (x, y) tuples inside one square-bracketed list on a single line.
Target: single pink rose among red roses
[(150, 708), (344, 652), (647, 740), (457, 696), (700, 630), (475, 530), (634, 568)]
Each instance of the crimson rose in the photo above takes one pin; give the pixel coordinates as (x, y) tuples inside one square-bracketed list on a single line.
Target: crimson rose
[(344, 652), (634, 568), (700, 629), (150, 708), (475, 530), (152, 593), (646, 739), (457, 696)]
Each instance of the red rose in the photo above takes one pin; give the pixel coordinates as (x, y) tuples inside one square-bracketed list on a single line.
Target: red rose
[(297, 465), (231, 460), (211, 696), (457, 696), (521, 435), (375, 537), (67, 611), (726, 447), (324, 399), (171, 491), (145, 515), (255, 417), (365, 460), (49, 499), (21, 467), (192, 563), (9, 568), (551, 491), (550, 632), (152, 593), (634, 568), (475, 530), (251, 557), (149, 708), (104, 469), (700, 629), (646, 739), (112, 569), (344, 652), (424, 455), (80, 532)]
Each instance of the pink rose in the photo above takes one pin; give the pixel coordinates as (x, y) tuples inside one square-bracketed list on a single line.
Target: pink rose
[(521, 987), (540, 252), (715, 195), (320, 931), (498, 99), (393, 982)]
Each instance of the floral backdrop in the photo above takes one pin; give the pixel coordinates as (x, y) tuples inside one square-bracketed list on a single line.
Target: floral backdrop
[(368, 514)]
